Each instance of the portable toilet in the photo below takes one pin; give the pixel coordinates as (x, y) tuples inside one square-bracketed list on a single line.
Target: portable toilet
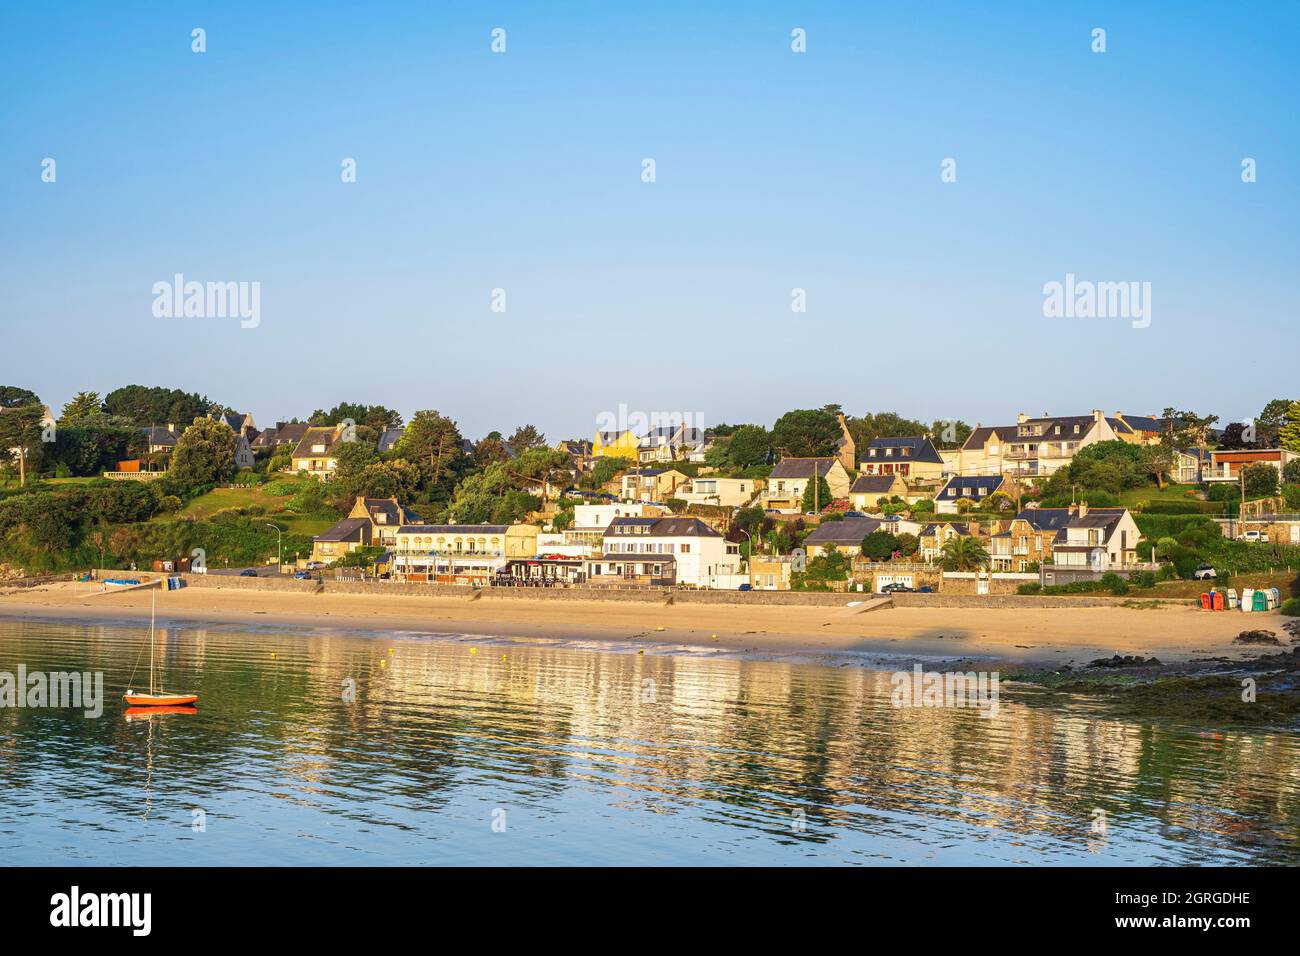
[(1247, 595), (1206, 603), (1218, 600), (1261, 601), (1233, 603), (1277, 597)]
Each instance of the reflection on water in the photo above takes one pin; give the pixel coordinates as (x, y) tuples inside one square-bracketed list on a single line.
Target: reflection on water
[(583, 756)]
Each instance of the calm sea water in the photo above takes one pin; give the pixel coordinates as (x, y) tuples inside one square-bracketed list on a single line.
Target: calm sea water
[(452, 753)]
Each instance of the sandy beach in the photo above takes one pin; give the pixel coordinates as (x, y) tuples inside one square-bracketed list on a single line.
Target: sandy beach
[(1030, 636)]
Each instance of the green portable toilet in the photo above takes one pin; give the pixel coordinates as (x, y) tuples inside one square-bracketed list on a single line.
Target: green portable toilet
[(1261, 601)]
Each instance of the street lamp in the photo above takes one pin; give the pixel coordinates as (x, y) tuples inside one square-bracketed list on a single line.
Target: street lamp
[(279, 552), (750, 563)]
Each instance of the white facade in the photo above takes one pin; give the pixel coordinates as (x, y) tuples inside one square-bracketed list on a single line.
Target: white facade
[(703, 561), (728, 492)]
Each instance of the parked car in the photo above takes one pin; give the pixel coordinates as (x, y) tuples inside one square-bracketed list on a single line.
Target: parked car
[(745, 587), (925, 589), (315, 565), (1251, 536), (896, 587), (302, 575), (855, 514), (1205, 572), (248, 573)]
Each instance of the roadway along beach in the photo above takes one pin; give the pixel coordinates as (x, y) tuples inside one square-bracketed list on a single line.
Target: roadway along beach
[(1030, 635)]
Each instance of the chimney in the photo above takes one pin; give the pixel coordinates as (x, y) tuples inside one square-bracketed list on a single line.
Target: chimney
[(1098, 414), (1021, 418), (1083, 509), (171, 426)]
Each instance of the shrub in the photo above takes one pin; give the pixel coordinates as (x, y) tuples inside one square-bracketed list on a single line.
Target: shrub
[(1291, 607)]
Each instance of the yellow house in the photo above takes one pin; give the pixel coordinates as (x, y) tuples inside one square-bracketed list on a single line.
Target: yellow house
[(622, 444), (314, 453), (468, 554)]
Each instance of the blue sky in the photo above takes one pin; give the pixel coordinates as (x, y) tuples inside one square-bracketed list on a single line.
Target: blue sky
[(775, 170)]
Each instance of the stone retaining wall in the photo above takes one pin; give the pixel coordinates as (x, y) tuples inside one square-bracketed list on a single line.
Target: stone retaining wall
[(648, 596)]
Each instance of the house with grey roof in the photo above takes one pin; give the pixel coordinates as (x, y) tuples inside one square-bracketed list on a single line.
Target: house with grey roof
[(966, 488), (676, 550), (791, 477)]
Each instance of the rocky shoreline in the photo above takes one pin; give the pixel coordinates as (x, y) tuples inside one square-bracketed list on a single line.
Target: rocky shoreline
[(1261, 691)]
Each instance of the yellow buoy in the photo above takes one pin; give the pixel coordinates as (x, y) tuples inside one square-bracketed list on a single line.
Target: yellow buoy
[(473, 651), (658, 628), (383, 663), (273, 655), (390, 652), (715, 637)]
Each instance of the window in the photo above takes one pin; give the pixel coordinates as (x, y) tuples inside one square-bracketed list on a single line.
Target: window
[(686, 549)]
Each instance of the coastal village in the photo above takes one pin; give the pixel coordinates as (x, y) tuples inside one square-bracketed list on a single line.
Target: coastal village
[(1097, 501)]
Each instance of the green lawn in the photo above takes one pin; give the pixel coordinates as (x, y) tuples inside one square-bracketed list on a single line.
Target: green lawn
[(221, 499), (1170, 492)]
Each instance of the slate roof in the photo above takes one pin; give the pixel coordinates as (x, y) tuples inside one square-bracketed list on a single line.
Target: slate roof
[(919, 448), (847, 531), (388, 438), (866, 484), (1142, 423), (802, 467), (160, 435), (980, 486), (349, 529), (980, 436), (453, 528), (325, 435), (672, 526)]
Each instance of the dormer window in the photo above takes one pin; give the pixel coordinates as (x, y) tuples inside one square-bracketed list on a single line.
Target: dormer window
[(1076, 429), (318, 449)]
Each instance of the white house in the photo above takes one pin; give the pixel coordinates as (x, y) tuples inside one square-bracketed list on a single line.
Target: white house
[(663, 552), (1091, 542), (728, 492)]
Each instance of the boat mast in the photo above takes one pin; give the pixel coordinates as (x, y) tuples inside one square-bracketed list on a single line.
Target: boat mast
[(153, 602)]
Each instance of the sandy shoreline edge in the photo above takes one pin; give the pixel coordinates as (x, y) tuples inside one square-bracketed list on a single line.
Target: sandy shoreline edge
[(1024, 636)]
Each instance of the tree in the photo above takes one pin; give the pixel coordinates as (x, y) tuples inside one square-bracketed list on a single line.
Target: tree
[(83, 405), (807, 433), (204, 455), (749, 446), (1270, 421), (908, 544), (525, 437), (156, 406), (817, 495), (373, 416), (1260, 480), (882, 425), (433, 442), (1235, 436), (950, 433), (20, 435), (1291, 472), (489, 449), (964, 553), (351, 460), (1288, 434), (880, 545), (12, 396), (1186, 429)]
